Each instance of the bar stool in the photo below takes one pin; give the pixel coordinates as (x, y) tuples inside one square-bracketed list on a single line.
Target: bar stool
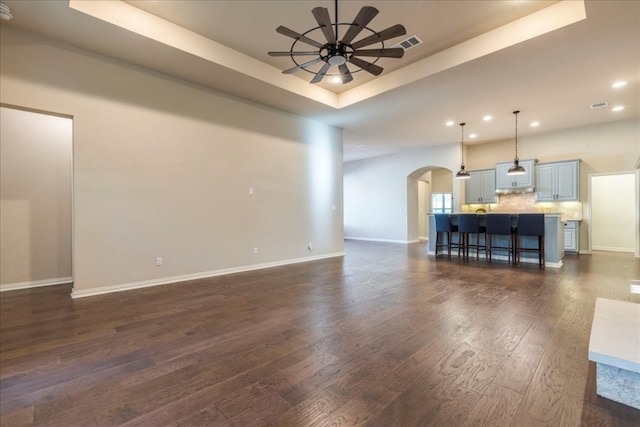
[(444, 226), (499, 225), (469, 224), (530, 225)]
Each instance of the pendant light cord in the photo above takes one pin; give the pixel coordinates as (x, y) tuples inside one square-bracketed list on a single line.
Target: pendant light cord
[(462, 144), (516, 114)]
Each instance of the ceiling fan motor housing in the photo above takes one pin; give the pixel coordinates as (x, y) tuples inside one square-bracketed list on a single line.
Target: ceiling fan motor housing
[(337, 54)]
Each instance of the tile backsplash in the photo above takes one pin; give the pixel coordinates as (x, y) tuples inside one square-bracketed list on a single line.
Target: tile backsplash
[(526, 202)]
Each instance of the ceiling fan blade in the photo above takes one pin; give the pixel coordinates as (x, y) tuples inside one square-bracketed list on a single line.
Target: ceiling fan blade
[(301, 66), (397, 52), (345, 74), (318, 77), (389, 33), (367, 66), (317, 52), (322, 16), (366, 14), (290, 33)]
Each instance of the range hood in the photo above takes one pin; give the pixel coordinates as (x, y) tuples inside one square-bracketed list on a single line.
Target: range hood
[(515, 190)]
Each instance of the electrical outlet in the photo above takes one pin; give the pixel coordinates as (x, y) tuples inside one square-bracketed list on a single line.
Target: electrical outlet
[(158, 261), (255, 251), (310, 247), (251, 191)]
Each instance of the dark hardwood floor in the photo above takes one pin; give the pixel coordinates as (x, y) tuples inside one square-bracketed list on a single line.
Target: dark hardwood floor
[(387, 336)]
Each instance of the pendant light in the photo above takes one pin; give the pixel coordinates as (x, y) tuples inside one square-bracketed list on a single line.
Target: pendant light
[(516, 169), (462, 173)]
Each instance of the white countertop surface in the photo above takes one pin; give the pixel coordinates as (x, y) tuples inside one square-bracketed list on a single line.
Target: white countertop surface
[(615, 334)]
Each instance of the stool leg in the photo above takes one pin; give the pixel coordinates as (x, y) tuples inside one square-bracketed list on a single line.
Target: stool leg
[(467, 242)]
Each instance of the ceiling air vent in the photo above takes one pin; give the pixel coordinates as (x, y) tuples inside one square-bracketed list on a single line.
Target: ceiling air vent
[(409, 42), (599, 104)]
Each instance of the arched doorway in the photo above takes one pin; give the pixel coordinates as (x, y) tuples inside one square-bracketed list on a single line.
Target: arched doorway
[(422, 185)]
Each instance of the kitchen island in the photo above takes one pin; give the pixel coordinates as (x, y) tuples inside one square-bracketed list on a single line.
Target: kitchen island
[(553, 239)]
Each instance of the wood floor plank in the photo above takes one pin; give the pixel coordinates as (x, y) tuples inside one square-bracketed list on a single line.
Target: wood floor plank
[(386, 336), (497, 407)]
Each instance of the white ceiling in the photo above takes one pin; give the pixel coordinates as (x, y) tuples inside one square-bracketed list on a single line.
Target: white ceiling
[(551, 60)]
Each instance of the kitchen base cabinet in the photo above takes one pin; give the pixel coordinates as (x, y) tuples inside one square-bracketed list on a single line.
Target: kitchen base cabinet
[(571, 236), (553, 239)]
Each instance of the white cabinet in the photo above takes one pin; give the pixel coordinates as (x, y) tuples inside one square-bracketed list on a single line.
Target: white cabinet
[(515, 182), (558, 182), (571, 236), (481, 187)]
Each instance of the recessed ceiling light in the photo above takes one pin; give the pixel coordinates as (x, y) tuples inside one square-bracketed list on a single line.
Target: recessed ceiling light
[(617, 108), (487, 118), (618, 84), (534, 124), (450, 123), (473, 135), (336, 79), (359, 145)]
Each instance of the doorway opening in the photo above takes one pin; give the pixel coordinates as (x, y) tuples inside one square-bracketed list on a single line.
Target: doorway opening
[(428, 189), (35, 198), (614, 212)]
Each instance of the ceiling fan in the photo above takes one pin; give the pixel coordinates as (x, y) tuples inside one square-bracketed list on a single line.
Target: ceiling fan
[(338, 52)]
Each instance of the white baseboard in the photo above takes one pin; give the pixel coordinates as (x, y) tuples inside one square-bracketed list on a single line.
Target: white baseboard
[(35, 284), (81, 293), (369, 239), (612, 249)]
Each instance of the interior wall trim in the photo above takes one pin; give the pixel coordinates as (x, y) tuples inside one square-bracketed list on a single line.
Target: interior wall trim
[(35, 284), (369, 239), (82, 293)]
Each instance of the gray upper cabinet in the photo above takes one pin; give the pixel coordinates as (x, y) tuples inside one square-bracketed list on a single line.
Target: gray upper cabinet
[(558, 181), (509, 182), (481, 187)]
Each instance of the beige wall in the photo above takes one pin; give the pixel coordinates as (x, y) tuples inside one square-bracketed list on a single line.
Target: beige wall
[(35, 199), (164, 168), (381, 194), (441, 181)]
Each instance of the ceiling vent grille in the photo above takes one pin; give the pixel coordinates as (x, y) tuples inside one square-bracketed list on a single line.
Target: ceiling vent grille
[(599, 104), (409, 42)]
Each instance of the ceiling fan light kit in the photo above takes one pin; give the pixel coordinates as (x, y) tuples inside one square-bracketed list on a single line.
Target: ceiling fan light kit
[(339, 52)]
